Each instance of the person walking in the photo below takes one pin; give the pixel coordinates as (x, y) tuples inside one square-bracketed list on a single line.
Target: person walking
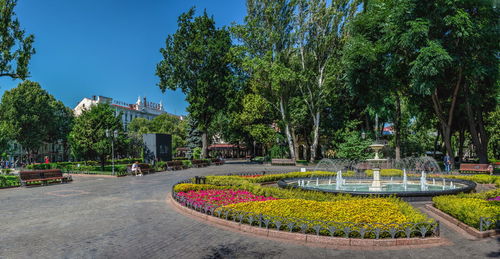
[(447, 163)]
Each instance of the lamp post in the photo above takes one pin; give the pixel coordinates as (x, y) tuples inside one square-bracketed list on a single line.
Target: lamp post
[(112, 136)]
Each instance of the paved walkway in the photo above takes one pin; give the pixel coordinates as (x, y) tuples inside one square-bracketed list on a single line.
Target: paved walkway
[(128, 217)]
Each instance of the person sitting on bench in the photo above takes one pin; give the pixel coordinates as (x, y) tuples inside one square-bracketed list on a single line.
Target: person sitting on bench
[(136, 169)]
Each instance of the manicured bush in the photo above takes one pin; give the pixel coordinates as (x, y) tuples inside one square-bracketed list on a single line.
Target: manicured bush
[(187, 163), (9, 180), (469, 208)]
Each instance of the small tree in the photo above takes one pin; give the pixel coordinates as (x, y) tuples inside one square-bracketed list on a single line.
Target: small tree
[(88, 136)]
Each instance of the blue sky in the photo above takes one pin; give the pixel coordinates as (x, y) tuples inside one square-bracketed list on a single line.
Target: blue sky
[(108, 47)]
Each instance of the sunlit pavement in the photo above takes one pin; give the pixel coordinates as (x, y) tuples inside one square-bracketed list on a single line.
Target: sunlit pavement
[(129, 217)]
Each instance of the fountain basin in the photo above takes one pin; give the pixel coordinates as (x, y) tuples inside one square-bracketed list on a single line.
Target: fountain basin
[(388, 186)]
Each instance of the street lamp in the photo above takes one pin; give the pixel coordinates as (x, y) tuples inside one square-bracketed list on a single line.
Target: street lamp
[(112, 136)]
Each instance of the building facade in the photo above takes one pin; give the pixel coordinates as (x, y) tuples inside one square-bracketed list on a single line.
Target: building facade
[(141, 109)]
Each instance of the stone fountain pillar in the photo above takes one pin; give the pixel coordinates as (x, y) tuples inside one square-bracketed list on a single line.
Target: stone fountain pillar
[(376, 184)]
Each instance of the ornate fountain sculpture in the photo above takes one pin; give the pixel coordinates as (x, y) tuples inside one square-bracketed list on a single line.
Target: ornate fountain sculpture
[(376, 184)]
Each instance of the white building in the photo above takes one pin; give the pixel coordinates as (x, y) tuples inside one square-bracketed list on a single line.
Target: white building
[(141, 109)]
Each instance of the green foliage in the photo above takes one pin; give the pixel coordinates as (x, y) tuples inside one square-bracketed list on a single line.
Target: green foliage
[(163, 124), (195, 60), (16, 47), (9, 181), (493, 129), (197, 153), (279, 151), (469, 208), (31, 116), (88, 137), (350, 144)]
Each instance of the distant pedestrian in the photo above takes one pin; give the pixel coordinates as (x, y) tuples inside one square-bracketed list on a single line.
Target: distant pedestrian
[(490, 169), (447, 163), (47, 160), (136, 169)]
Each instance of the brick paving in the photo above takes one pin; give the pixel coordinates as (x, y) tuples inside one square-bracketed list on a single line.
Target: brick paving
[(128, 217)]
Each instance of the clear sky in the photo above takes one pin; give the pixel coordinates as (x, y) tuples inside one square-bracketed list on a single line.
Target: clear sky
[(108, 47)]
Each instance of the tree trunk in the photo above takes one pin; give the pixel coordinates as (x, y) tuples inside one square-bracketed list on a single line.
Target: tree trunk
[(314, 146), (295, 143), (479, 139), (446, 122), (436, 141), (204, 144), (461, 140), (287, 130), (397, 128)]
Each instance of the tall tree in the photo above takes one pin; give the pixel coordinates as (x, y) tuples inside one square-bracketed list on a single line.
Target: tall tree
[(321, 32), (195, 59), (15, 47), (31, 115), (88, 138), (268, 41)]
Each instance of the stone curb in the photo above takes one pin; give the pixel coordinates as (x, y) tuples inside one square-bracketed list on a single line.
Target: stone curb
[(468, 229), (309, 239)]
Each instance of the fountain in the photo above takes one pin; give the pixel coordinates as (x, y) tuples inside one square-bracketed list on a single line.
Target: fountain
[(406, 186), (376, 184)]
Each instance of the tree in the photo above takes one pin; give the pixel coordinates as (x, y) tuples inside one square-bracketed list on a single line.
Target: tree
[(194, 135), (162, 124), (15, 46), (268, 42), (195, 59), (435, 52), (88, 138), (321, 32), (32, 116)]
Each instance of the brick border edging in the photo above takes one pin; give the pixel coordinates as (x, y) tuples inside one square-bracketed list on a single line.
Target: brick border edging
[(309, 239), (470, 230)]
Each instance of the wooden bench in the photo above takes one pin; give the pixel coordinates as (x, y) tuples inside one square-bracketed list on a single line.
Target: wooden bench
[(199, 163), (483, 168), (280, 161), (145, 168), (43, 176), (217, 161), (175, 165)]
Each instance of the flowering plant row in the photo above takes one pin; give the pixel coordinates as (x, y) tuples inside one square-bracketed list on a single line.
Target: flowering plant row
[(368, 211), (220, 197)]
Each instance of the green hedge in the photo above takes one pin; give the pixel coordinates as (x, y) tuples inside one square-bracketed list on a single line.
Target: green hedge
[(469, 208), (9, 180)]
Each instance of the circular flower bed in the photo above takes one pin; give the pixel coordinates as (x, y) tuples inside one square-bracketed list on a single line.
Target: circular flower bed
[(245, 201)]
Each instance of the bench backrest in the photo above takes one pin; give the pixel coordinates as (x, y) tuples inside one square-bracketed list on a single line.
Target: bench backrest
[(39, 174), (465, 167), (29, 175)]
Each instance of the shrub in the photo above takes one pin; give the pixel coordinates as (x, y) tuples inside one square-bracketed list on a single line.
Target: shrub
[(187, 163), (9, 180), (469, 208)]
